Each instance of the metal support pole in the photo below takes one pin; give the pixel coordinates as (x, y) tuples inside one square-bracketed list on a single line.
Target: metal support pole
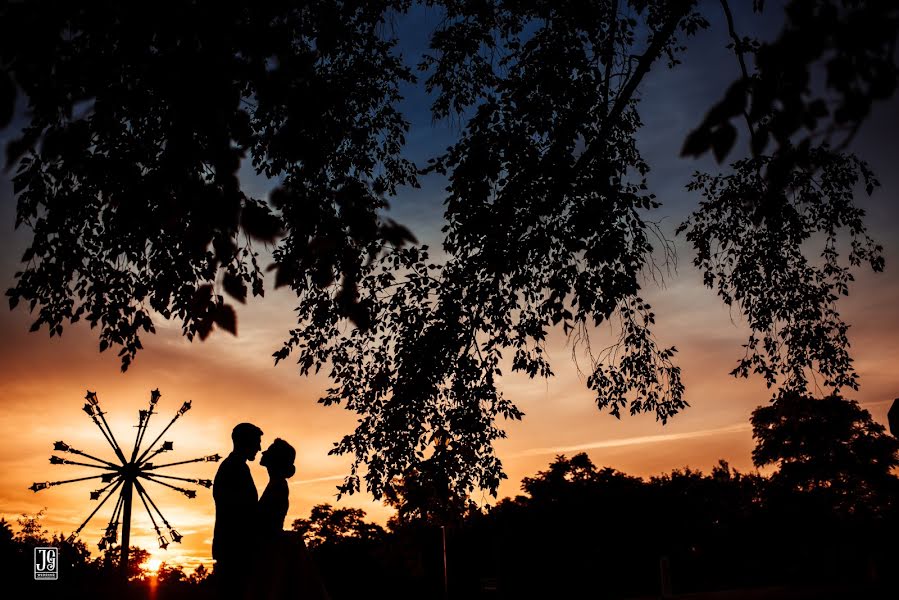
[(445, 576), (665, 576), (126, 526)]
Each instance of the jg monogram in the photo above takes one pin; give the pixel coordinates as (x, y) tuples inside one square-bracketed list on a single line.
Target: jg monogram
[(46, 563)]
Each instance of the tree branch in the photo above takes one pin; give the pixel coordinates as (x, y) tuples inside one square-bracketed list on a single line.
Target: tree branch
[(610, 53), (646, 59), (738, 50)]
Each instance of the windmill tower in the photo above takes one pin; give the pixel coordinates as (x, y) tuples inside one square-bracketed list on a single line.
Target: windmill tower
[(127, 475)]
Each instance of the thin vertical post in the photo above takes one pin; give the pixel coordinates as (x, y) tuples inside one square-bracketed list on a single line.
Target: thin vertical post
[(665, 575), (126, 526), (445, 577)]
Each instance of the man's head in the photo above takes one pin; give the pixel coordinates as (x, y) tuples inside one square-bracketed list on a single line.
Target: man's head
[(247, 440)]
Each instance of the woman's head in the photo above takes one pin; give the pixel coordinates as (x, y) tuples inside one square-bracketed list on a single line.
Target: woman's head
[(278, 459)]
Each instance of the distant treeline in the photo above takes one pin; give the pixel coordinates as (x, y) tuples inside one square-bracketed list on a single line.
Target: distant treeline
[(581, 528), (827, 516)]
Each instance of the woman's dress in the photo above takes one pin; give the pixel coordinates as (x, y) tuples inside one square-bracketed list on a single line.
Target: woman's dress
[(284, 568)]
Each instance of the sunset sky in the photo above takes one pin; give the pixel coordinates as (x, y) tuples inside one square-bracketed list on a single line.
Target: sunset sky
[(232, 379)]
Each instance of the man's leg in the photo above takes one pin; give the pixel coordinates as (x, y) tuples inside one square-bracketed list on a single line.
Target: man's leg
[(229, 580)]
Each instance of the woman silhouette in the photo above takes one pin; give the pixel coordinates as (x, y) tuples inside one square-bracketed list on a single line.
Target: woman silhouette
[(278, 460), (284, 569)]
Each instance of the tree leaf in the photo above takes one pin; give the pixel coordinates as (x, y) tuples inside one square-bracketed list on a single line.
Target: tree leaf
[(235, 286), (259, 222), (723, 140), (697, 143), (226, 318), (397, 234)]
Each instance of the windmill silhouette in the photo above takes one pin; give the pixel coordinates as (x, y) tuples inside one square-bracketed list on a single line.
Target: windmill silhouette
[(126, 476)]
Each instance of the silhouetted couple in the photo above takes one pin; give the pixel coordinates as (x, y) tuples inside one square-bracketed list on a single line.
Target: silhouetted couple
[(255, 557)]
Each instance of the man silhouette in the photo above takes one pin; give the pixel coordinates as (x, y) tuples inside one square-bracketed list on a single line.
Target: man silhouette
[(235, 498)]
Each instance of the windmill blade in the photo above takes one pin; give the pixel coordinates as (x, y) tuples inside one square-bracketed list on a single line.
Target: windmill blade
[(184, 408), (90, 411), (207, 483), (189, 493), (86, 455), (99, 506), (55, 460), (143, 417), (92, 408), (113, 524), (166, 447), (91, 397), (36, 487), (110, 536), (144, 496), (95, 495), (153, 504), (212, 458), (145, 422), (141, 494), (155, 453), (117, 513), (63, 447)]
